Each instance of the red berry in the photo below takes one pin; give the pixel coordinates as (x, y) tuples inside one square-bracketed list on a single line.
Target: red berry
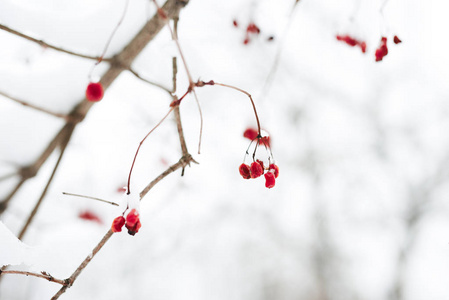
[(133, 222), (275, 169), (382, 51), (117, 224), (250, 133), (94, 92), (363, 47), (269, 180), (252, 28), (260, 163), (246, 41), (265, 141), (256, 170), (352, 42), (244, 171), (89, 216), (234, 22), (396, 40)]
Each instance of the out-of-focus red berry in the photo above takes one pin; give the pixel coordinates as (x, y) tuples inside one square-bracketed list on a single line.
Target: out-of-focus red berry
[(396, 40), (234, 22), (133, 222), (94, 92), (245, 171), (275, 169), (265, 140), (253, 28), (352, 42), (256, 170), (250, 133), (117, 224), (382, 51), (269, 180), (89, 216), (246, 41)]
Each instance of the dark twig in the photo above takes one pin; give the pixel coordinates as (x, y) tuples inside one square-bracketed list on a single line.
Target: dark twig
[(46, 45)]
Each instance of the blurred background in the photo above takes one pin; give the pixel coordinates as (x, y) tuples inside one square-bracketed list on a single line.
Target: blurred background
[(359, 210)]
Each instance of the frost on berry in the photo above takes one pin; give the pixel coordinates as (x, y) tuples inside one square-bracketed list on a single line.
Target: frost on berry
[(396, 40), (256, 170), (133, 222), (117, 224), (269, 180), (352, 42), (94, 92), (275, 169), (245, 171), (89, 216), (382, 51)]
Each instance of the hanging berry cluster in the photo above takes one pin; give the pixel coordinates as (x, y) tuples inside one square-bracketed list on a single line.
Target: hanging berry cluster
[(257, 167), (380, 52), (251, 30), (132, 222)]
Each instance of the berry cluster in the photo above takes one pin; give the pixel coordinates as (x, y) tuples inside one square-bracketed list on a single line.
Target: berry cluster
[(257, 167), (381, 51), (251, 30), (132, 222)]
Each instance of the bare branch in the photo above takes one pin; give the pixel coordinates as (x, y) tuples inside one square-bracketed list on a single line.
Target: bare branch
[(46, 45), (62, 116), (43, 275), (149, 82), (89, 197)]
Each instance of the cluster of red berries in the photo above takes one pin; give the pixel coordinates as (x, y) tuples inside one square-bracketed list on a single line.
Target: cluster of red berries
[(251, 29), (352, 42), (94, 92), (257, 169), (132, 222), (381, 51)]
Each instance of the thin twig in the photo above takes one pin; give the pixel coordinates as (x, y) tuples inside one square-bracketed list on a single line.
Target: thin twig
[(44, 192), (89, 197), (250, 98), (110, 38), (149, 82), (43, 275), (140, 144), (201, 120), (46, 45), (62, 116), (83, 265)]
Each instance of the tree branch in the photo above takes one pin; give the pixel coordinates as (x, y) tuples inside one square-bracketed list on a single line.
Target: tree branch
[(43, 275), (44, 44)]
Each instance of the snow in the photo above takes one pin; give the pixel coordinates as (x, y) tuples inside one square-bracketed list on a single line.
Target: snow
[(361, 147)]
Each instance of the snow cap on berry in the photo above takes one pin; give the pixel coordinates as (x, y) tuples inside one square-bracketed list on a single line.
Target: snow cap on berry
[(275, 169)]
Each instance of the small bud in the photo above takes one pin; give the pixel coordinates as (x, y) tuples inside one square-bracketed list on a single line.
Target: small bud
[(94, 92), (275, 169), (256, 170), (269, 180), (117, 224), (244, 171)]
